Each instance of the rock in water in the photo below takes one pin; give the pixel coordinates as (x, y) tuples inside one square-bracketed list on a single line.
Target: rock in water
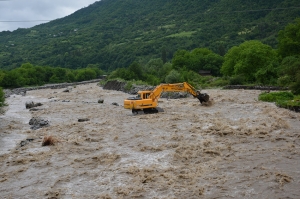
[(29, 104), (100, 101), (83, 120), (37, 123)]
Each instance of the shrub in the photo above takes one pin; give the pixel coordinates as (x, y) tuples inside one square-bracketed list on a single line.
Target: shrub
[(174, 77), (2, 97), (282, 99), (219, 82), (296, 85), (128, 86), (276, 96), (237, 80)]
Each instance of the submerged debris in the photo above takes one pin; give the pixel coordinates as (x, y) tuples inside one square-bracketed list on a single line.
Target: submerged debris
[(31, 104), (115, 104), (49, 140), (24, 142), (67, 90), (83, 120), (100, 101)]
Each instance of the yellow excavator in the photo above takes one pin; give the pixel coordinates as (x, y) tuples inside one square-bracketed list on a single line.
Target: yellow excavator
[(147, 101)]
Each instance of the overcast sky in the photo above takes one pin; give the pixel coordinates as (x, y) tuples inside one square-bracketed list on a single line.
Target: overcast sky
[(13, 13)]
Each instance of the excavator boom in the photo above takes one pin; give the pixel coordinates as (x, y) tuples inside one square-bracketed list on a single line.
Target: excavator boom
[(147, 101)]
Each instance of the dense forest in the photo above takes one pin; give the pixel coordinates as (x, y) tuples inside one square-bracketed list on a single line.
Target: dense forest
[(251, 62), (114, 33)]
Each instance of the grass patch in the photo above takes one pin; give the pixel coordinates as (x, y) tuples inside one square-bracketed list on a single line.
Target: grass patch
[(182, 34), (289, 103), (104, 81), (276, 96), (282, 99), (168, 26)]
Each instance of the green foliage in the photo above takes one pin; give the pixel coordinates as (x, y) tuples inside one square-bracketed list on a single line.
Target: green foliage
[(295, 86), (289, 39), (290, 73), (86, 74), (219, 82), (2, 97), (30, 75), (284, 81), (276, 96), (191, 76), (128, 86), (153, 67), (198, 59), (152, 80), (255, 61), (289, 103), (121, 73), (113, 34), (166, 69), (133, 72), (174, 77), (136, 70), (282, 99), (237, 80)]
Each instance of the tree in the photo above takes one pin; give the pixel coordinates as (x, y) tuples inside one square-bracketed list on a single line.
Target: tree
[(122, 73), (255, 61), (137, 71), (181, 59), (289, 39), (164, 55), (198, 59), (2, 74), (2, 97), (290, 73), (153, 66), (165, 70), (174, 77), (86, 74)]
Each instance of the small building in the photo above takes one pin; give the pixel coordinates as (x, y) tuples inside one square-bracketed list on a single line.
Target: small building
[(204, 72)]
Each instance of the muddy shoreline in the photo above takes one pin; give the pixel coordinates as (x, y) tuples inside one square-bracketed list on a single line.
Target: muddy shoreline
[(237, 148)]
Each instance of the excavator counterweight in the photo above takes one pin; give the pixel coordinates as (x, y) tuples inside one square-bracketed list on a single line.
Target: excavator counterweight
[(147, 101)]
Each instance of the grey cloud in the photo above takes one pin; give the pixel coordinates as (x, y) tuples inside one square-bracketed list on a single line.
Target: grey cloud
[(21, 10)]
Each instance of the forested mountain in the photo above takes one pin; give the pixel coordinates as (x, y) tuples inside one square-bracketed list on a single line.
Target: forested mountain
[(114, 33)]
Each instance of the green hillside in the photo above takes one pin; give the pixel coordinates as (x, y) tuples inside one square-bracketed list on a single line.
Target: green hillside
[(114, 33)]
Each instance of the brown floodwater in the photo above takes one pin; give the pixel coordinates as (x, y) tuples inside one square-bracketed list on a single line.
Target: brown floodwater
[(237, 147)]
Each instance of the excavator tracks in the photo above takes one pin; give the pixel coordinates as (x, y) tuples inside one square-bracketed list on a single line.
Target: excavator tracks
[(147, 111)]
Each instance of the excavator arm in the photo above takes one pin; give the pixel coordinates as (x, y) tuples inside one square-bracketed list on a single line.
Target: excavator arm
[(148, 100), (178, 87)]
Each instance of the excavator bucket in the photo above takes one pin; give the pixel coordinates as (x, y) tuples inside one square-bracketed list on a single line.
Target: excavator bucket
[(203, 97)]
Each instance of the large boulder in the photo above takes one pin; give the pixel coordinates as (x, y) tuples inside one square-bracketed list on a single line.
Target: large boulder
[(37, 123)]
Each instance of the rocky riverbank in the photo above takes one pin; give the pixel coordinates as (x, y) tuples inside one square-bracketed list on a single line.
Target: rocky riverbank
[(22, 91)]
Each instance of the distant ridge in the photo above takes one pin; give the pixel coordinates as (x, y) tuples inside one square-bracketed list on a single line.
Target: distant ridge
[(114, 33)]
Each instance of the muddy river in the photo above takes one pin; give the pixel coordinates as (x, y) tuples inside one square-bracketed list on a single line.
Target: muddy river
[(238, 147)]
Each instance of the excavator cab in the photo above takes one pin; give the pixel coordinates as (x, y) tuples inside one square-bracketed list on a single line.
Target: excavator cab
[(140, 96), (140, 102)]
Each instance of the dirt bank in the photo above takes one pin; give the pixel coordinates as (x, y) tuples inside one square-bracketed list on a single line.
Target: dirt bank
[(237, 148)]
